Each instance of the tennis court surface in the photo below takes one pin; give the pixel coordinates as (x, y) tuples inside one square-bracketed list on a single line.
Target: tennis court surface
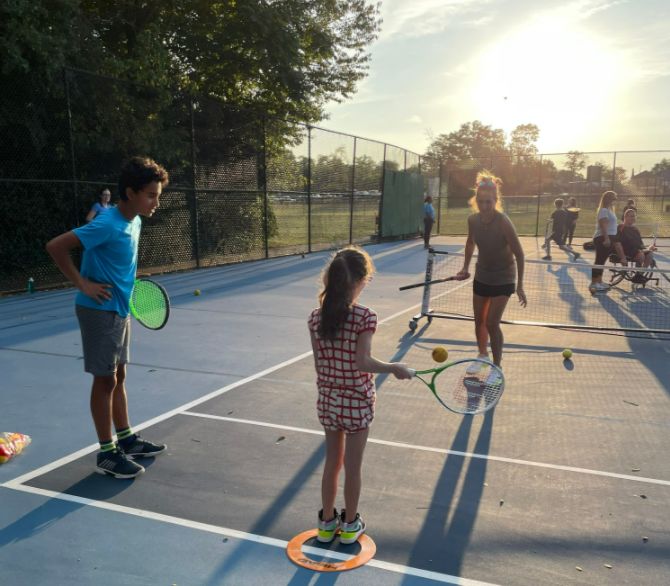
[(566, 481)]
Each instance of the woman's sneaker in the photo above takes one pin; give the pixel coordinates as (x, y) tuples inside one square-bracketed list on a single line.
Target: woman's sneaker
[(115, 463), (475, 367), (327, 530), (350, 532), (598, 288)]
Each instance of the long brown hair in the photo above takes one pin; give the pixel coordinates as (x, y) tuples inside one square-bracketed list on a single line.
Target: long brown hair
[(346, 269)]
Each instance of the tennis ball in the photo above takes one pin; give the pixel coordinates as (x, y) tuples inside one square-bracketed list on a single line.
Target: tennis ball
[(196, 292), (440, 354), (567, 353)]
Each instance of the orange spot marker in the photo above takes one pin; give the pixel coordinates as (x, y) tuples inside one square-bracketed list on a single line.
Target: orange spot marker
[(295, 554)]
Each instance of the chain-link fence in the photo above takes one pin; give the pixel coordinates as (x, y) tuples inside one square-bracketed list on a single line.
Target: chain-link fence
[(532, 183), (245, 186)]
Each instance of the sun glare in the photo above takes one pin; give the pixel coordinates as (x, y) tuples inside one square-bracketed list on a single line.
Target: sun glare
[(554, 74)]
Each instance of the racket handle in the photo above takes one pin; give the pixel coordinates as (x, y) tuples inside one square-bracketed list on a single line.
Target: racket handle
[(412, 371)]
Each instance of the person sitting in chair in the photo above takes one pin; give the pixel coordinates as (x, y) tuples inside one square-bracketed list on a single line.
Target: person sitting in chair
[(630, 238)]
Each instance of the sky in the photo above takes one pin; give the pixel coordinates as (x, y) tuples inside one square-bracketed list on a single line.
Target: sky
[(593, 75)]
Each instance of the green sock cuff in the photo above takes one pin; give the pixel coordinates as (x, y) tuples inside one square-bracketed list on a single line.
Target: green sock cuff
[(124, 433), (107, 446)]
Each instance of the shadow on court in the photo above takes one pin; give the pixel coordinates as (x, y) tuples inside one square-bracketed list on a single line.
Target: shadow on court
[(442, 543), (55, 510)]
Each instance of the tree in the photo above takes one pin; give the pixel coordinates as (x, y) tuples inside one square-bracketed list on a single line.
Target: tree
[(472, 140), (523, 140), (575, 161), (285, 58), (663, 166)]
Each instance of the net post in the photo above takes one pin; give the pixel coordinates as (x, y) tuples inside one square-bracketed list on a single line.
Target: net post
[(425, 300)]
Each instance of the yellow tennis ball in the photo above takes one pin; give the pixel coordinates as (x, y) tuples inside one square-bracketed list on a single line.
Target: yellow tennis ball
[(440, 354), (196, 292), (567, 353)]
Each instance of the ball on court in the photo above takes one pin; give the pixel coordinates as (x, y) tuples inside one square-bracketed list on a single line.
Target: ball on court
[(440, 354), (567, 353), (196, 292)]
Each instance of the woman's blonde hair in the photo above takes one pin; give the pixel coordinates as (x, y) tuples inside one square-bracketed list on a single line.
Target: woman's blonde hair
[(486, 181), (606, 199)]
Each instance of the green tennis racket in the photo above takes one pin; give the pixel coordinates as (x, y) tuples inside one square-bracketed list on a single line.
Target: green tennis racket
[(468, 386), (150, 304)]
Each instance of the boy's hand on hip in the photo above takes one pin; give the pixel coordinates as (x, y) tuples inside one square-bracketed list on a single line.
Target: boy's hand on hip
[(98, 291)]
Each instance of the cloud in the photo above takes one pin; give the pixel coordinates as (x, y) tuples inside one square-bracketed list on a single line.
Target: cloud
[(415, 119), (419, 18)]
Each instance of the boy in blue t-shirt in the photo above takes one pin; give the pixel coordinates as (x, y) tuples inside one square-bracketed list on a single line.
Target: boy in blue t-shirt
[(105, 282)]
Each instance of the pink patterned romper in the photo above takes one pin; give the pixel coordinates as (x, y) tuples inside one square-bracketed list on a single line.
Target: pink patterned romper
[(346, 395)]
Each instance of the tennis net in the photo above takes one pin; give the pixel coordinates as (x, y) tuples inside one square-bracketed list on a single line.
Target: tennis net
[(637, 300)]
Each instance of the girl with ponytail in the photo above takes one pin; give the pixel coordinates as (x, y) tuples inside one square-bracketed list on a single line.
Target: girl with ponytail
[(341, 332)]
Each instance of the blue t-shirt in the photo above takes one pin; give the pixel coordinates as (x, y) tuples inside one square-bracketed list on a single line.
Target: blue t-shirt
[(110, 256), (98, 208), (429, 210)]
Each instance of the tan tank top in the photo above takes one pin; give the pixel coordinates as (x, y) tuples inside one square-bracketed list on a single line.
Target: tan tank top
[(495, 262)]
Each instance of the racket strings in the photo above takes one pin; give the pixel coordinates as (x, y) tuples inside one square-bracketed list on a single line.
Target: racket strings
[(469, 387), (149, 303)]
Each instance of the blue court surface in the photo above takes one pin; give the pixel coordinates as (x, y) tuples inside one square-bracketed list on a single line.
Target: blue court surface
[(566, 481)]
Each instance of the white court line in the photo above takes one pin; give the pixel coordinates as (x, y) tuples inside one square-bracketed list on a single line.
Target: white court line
[(19, 480), (442, 450), (235, 534)]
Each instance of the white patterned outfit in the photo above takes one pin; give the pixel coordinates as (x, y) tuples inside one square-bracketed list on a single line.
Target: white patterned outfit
[(347, 396)]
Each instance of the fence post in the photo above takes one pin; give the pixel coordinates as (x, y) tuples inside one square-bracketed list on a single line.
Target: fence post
[(73, 164), (439, 196), (613, 171), (351, 202), (309, 188), (381, 198), (194, 194), (539, 200), (263, 176)]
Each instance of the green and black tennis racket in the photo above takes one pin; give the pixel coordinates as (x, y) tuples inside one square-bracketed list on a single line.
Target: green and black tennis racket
[(150, 304), (468, 386)]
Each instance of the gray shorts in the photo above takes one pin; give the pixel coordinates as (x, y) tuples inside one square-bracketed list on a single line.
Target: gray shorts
[(105, 338)]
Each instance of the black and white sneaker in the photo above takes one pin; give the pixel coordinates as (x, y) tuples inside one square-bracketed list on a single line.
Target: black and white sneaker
[(115, 463), (141, 448)]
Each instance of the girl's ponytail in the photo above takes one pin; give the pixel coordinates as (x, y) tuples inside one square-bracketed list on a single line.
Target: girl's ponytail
[(345, 271)]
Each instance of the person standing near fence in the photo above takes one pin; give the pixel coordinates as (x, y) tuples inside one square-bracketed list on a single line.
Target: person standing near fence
[(105, 282), (495, 237), (428, 219), (605, 240), (100, 207)]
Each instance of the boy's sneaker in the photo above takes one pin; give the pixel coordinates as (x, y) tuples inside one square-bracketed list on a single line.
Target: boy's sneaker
[(576, 255), (140, 448), (475, 367), (115, 463), (350, 532), (327, 530), (548, 257)]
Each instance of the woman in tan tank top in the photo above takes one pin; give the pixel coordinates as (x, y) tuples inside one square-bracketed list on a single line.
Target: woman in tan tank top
[(494, 235)]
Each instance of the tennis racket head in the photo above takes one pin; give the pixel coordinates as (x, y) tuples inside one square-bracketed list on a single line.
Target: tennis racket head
[(468, 386), (150, 304)]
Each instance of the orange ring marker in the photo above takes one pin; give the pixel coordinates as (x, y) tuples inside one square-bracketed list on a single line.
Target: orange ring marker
[(294, 553)]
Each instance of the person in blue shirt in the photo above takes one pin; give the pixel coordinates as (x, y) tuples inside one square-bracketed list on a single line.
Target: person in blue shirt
[(428, 219), (100, 207), (105, 282)]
